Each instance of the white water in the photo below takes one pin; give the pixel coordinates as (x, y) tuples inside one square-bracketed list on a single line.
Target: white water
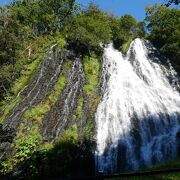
[(138, 117)]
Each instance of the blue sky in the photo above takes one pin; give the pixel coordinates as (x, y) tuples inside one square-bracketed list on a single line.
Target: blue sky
[(121, 7), (118, 7)]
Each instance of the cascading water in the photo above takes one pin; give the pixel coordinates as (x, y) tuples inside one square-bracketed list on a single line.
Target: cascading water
[(138, 119)]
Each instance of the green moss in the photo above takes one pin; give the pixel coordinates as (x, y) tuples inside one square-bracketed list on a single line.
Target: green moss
[(79, 109), (88, 129), (28, 65), (61, 83), (8, 109), (46, 147), (124, 48), (30, 69), (91, 69), (38, 112), (69, 136), (20, 83), (45, 43)]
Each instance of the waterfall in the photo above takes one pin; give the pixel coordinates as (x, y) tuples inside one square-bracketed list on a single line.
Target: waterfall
[(138, 119)]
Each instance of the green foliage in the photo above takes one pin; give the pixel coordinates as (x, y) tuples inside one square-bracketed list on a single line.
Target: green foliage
[(44, 16), (92, 27), (10, 39), (8, 109), (26, 142), (164, 27), (89, 29), (69, 136), (58, 159), (125, 29), (91, 69), (26, 66), (79, 109), (126, 45), (13, 98), (22, 24), (128, 23), (11, 42), (27, 30), (42, 45)]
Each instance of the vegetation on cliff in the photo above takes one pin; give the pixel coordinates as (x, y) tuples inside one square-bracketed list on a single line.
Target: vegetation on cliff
[(164, 31), (27, 30)]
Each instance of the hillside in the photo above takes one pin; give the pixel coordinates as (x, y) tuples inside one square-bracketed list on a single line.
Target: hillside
[(54, 76)]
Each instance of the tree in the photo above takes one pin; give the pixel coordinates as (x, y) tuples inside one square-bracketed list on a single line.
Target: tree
[(125, 29), (21, 22), (176, 2), (128, 23), (164, 28), (44, 16), (10, 39), (88, 29)]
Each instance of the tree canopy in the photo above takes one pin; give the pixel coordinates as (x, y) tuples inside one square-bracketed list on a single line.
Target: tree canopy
[(23, 21), (164, 31), (169, 2)]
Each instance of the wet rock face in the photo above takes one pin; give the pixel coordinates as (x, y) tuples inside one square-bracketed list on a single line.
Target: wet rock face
[(60, 116), (6, 137), (6, 134), (39, 86)]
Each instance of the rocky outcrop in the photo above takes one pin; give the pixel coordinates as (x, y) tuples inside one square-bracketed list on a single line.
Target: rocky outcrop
[(6, 138), (61, 114), (39, 86)]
